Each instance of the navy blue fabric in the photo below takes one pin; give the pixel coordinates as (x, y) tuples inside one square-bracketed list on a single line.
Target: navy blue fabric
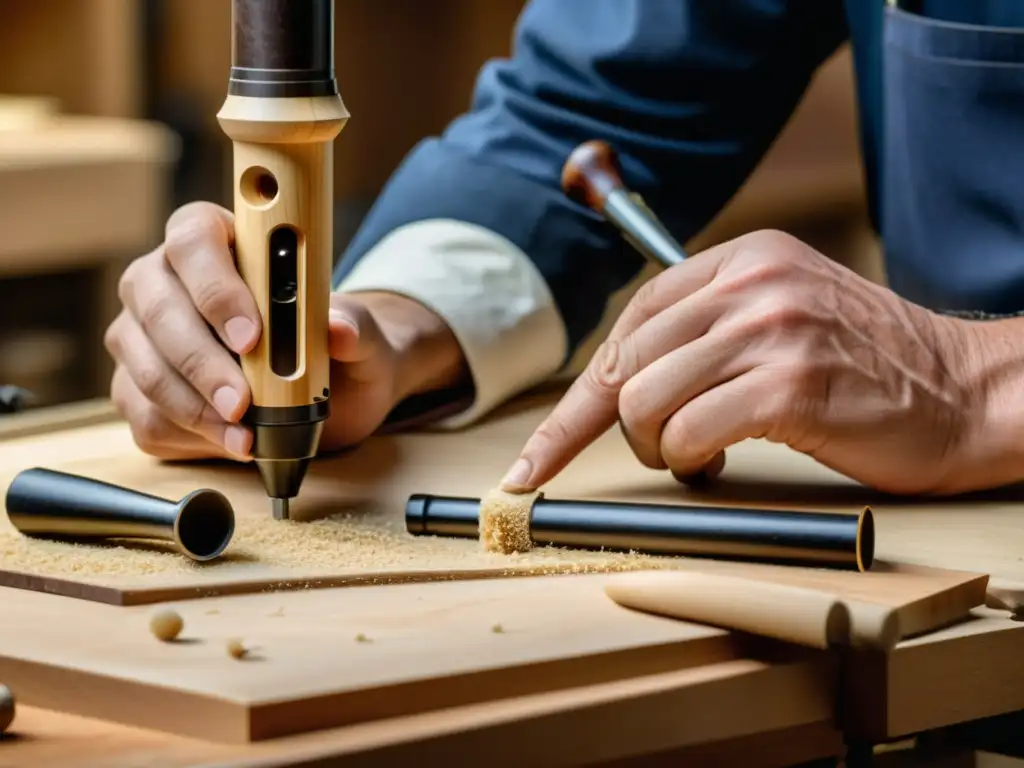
[(953, 214), (692, 93)]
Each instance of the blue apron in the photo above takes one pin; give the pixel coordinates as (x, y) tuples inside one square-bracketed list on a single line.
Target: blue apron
[(952, 181)]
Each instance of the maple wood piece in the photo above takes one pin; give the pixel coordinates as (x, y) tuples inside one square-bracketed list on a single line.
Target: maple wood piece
[(768, 535), (793, 614), (873, 611), (48, 503), (282, 113), (332, 657), (592, 177), (617, 721)]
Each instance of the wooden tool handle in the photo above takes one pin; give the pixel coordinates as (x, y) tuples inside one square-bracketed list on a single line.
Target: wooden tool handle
[(798, 615), (591, 174), (283, 200), (791, 614)]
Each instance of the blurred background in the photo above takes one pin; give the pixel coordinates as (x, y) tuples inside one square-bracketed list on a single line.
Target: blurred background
[(108, 122)]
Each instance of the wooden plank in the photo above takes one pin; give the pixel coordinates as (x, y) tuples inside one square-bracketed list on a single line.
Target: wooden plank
[(327, 658), (783, 716), (57, 418), (964, 672)]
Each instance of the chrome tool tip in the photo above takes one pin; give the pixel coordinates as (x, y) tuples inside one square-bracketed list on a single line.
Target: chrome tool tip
[(280, 507)]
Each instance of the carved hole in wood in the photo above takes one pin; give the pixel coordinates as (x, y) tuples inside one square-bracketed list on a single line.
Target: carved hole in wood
[(258, 187)]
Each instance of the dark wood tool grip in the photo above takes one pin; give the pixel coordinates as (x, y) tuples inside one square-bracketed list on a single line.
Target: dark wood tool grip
[(591, 173)]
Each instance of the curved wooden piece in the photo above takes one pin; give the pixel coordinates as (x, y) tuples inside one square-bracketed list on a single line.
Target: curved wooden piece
[(792, 614)]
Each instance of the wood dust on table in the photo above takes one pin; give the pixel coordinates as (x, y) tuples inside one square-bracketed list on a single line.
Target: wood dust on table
[(332, 545)]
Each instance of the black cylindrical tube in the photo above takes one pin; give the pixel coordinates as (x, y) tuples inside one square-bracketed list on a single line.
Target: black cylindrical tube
[(48, 503), (282, 48), (781, 536)]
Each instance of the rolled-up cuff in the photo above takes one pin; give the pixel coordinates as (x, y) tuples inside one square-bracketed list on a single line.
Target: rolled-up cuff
[(488, 292)]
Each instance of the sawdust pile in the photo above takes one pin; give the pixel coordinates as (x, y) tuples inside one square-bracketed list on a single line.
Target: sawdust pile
[(342, 544)]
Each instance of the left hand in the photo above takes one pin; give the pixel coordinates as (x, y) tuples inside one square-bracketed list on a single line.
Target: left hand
[(763, 337)]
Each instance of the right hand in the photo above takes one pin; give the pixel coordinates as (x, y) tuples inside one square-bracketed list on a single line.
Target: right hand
[(179, 388)]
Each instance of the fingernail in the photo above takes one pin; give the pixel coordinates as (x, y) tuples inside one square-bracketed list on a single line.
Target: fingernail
[(236, 440), (241, 332), (518, 477), (226, 401)]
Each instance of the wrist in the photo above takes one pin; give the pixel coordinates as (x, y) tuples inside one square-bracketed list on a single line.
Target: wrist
[(992, 381), (428, 357)]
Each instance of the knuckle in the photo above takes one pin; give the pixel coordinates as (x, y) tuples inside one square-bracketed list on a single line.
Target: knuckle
[(216, 300), (149, 429), (112, 338), (773, 240), (758, 271), (644, 303), (635, 402), (679, 442), (129, 280), (194, 362), (780, 316), (612, 367), (151, 382), (552, 431), (156, 309), (119, 391), (190, 227)]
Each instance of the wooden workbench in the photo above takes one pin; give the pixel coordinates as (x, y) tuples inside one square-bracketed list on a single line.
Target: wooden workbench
[(768, 706)]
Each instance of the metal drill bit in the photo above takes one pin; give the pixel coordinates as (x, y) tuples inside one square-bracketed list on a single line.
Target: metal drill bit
[(280, 507)]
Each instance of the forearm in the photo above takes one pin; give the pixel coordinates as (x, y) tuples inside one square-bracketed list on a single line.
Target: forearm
[(482, 296), (474, 224), (992, 372)]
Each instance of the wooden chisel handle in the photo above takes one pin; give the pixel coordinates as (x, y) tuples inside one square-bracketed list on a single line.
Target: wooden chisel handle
[(592, 177)]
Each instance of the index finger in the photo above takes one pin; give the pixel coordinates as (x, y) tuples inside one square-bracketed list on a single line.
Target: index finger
[(591, 405), (197, 246)]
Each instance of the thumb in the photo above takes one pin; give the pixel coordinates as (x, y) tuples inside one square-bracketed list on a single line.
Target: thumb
[(342, 337), (352, 331)]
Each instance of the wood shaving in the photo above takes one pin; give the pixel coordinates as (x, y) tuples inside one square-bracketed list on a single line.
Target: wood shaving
[(505, 521)]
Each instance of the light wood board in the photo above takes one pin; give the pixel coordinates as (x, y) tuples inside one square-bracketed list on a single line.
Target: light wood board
[(821, 610), (371, 484), (326, 658), (639, 722)]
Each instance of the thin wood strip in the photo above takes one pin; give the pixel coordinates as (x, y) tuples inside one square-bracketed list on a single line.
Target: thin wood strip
[(57, 418)]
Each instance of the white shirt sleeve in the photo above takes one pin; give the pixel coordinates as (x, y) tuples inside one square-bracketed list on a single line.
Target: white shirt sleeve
[(489, 293)]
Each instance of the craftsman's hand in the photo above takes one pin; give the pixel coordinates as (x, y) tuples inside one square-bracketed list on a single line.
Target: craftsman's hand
[(186, 310), (765, 337)]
